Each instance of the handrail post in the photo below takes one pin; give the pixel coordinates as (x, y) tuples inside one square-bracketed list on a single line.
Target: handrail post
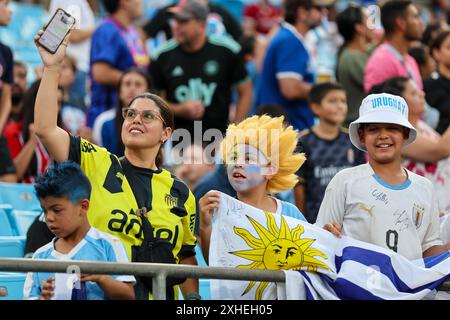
[(159, 286)]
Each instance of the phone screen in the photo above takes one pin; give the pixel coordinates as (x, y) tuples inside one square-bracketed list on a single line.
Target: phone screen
[(57, 29)]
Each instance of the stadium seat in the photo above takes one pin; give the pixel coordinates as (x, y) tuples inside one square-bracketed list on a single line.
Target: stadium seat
[(11, 285), (6, 229), (235, 7), (12, 247), (22, 220), (20, 196)]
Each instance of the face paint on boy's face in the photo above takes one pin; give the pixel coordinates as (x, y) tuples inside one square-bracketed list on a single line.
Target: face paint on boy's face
[(244, 167), (244, 177)]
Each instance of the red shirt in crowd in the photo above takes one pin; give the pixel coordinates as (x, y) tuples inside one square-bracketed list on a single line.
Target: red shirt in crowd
[(265, 16), (14, 136)]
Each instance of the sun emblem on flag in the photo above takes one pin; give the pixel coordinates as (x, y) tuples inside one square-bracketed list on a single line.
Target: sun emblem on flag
[(277, 249)]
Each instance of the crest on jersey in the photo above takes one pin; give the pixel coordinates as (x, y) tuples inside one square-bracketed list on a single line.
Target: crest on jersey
[(417, 215), (171, 201), (211, 67)]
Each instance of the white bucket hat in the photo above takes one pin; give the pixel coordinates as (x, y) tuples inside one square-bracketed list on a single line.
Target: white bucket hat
[(382, 108)]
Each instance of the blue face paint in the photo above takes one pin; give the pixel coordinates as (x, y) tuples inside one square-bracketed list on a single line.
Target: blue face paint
[(252, 173)]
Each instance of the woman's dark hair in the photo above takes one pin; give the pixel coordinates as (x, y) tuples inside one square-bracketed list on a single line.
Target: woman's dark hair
[(439, 40), (29, 100), (430, 33), (346, 22), (166, 114), (121, 105), (419, 54), (395, 85)]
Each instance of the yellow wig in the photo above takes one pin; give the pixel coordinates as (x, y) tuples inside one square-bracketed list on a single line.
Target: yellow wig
[(277, 143)]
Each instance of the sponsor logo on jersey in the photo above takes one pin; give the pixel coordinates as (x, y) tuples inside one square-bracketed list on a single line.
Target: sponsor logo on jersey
[(367, 209), (196, 90), (177, 71), (211, 68), (87, 147)]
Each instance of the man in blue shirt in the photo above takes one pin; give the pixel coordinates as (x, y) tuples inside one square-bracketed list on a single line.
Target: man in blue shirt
[(116, 46), (286, 77)]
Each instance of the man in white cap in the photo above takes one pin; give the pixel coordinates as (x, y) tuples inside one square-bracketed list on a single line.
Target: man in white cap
[(381, 202)]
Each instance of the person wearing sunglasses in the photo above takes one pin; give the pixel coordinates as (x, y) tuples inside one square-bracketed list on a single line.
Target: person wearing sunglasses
[(126, 190)]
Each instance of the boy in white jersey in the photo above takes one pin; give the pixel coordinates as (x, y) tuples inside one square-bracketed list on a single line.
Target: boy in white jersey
[(64, 193), (381, 202)]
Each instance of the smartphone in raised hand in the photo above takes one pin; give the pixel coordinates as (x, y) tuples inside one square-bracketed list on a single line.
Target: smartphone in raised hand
[(56, 30)]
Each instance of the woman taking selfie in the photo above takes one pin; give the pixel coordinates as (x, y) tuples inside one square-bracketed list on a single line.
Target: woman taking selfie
[(129, 191)]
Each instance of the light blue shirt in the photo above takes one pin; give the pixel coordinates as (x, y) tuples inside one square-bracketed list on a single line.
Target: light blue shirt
[(95, 246), (288, 209)]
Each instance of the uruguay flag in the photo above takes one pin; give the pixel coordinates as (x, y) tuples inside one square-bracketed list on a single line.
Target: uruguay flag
[(317, 264)]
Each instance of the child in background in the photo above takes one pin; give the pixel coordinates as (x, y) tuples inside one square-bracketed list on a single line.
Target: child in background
[(381, 202), (64, 193), (327, 147), (256, 167)]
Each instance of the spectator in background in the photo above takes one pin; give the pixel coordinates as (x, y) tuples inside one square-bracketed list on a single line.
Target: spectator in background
[(352, 57), (429, 155), (253, 50), (196, 72), (426, 63), (286, 76), (30, 156), (195, 165), (72, 113), (106, 132), (7, 169), (323, 42), (327, 147), (402, 25), (116, 46), (261, 16), (20, 72), (430, 33), (18, 89), (219, 22), (80, 42), (440, 10), (437, 89)]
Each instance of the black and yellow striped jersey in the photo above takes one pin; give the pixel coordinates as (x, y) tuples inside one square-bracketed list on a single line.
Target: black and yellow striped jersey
[(114, 202)]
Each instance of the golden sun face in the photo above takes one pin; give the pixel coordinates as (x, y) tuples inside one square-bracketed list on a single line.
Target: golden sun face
[(277, 249)]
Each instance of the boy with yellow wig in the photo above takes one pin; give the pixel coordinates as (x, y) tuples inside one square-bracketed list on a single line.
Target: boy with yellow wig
[(260, 157)]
